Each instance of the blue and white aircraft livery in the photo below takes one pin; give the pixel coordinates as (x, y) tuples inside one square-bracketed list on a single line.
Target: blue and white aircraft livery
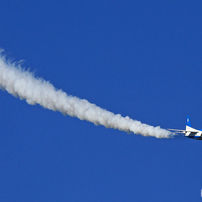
[(189, 132)]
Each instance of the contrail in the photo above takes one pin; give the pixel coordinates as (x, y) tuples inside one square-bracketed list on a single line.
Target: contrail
[(23, 84)]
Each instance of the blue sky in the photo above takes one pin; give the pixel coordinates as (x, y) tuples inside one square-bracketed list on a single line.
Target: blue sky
[(141, 59)]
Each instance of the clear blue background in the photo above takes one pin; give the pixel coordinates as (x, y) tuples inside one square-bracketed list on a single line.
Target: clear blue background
[(137, 58)]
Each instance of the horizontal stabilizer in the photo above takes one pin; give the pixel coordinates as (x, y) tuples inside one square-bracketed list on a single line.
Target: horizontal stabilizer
[(188, 122), (177, 130)]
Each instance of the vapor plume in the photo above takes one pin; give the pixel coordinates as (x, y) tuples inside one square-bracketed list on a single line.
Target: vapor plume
[(23, 84)]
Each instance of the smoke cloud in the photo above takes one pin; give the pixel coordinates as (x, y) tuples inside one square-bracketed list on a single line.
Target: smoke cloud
[(23, 84)]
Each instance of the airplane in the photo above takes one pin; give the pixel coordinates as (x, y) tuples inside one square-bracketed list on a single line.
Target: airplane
[(189, 132)]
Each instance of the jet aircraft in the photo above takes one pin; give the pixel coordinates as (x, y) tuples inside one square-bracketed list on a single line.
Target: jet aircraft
[(189, 132)]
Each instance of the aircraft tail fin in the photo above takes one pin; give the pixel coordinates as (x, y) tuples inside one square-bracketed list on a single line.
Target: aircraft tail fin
[(188, 122)]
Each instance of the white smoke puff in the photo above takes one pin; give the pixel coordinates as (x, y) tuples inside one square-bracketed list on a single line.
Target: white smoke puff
[(23, 84)]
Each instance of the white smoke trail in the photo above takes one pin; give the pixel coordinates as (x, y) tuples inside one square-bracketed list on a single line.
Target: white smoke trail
[(24, 85)]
